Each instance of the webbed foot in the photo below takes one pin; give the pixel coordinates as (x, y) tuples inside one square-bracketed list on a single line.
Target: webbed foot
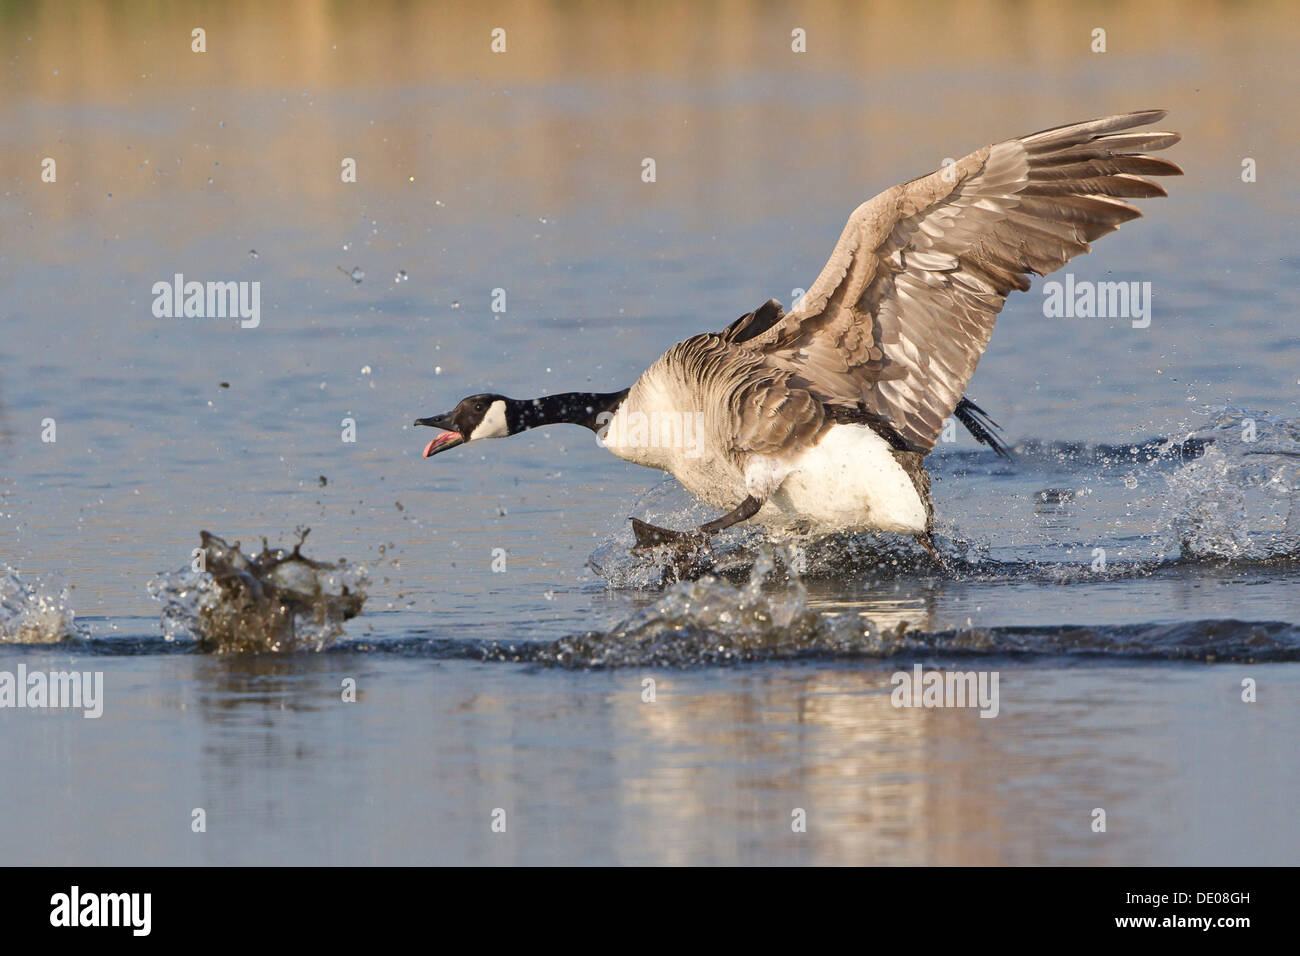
[(652, 536), (687, 553)]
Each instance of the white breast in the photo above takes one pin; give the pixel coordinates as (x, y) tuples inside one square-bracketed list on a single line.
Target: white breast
[(849, 481)]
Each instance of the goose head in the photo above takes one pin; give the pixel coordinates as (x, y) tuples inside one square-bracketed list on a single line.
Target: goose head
[(475, 417)]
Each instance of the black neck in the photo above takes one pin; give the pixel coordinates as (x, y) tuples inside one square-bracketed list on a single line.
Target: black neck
[(576, 408)]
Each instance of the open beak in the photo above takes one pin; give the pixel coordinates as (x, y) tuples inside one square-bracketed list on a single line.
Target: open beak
[(447, 438)]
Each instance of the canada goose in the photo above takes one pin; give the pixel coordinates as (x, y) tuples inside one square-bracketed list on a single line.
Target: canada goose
[(820, 419)]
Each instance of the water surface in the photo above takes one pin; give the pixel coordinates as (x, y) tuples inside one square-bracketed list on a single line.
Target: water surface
[(1121, 680)]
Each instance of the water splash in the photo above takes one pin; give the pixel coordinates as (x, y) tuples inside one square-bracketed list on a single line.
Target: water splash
[(274, 601), (35, 614), (735, 555), (1239, 500), (769, 618), (710, 620)]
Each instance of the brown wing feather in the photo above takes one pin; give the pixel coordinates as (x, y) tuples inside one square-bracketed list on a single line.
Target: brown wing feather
[(902, 311)]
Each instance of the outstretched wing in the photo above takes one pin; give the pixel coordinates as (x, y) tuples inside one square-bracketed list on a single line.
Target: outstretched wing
[(897, 320)]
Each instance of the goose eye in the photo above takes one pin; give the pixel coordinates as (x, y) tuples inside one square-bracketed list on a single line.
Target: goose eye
[(478, 407)]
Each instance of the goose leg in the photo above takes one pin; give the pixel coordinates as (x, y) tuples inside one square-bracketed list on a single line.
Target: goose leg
[(742, 512), (927, 542), (651, 536)]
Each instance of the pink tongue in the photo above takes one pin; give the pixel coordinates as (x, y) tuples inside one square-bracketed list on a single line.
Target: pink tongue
[(442, 439)]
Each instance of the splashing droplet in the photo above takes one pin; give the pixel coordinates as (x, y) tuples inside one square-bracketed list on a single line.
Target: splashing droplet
[(274, 601), (35, 614)]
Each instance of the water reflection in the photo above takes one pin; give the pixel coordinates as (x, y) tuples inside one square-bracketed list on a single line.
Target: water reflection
[(711, 771)]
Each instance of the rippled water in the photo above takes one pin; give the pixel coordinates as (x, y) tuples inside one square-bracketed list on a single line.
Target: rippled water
[(1133, 564)]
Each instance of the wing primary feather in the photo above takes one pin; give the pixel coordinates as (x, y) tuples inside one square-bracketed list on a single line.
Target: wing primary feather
[(982, 428), (897, 320)]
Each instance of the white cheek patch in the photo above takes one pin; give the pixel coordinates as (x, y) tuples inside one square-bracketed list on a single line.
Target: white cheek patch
[(493, 424)]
